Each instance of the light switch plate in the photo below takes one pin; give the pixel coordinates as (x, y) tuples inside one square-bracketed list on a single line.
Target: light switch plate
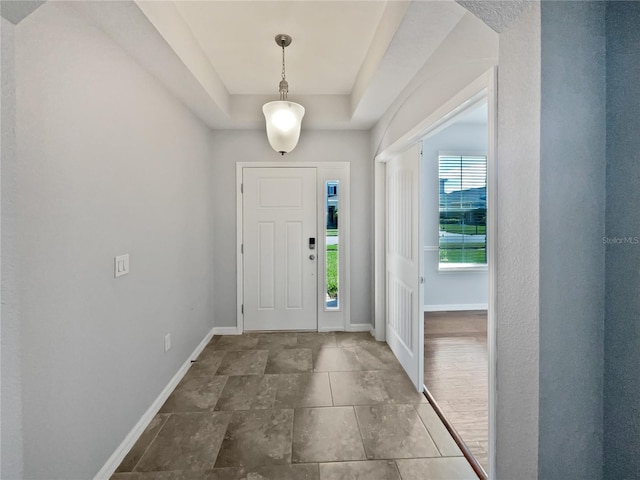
[(121, 265)]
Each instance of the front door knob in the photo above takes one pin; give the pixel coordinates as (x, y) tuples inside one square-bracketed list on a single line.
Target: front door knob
[(312, 257)]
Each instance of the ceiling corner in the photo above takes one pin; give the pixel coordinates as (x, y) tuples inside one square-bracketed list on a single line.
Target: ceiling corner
[(497, 15), (389, 22), (168, 21), (423, 28), (17, 10)]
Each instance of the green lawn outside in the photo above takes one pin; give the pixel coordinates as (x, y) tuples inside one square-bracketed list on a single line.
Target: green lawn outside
[(465, 229), (332, 232), (458, 255), (332, 270), (457, 245)]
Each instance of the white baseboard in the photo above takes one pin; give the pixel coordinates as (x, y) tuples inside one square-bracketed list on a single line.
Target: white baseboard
[(226, 331), (456, 308), (356, 327), (331, 329), (359, 327), (129, 441)]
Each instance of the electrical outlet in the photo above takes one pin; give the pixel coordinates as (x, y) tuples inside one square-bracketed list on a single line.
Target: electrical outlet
[(167, 342)]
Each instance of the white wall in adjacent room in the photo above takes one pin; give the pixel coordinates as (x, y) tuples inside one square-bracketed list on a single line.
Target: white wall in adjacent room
[(461, 290)]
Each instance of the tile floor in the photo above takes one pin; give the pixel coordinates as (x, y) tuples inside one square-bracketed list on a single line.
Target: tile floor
[(295, 406)]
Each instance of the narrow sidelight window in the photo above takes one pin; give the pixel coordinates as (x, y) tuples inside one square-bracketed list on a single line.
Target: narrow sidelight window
[(332, 245)]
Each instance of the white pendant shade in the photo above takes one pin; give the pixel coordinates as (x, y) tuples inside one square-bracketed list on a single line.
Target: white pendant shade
[(284, 120)]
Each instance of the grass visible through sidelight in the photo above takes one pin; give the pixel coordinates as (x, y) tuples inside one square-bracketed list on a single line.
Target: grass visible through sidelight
[(332, 270)]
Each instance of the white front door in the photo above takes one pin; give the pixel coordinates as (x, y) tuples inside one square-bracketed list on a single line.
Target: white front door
[(279, 267), (405, 325)]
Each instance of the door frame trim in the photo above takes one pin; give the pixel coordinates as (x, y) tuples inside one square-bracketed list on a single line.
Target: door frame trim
[(484, 87), (345, 310)]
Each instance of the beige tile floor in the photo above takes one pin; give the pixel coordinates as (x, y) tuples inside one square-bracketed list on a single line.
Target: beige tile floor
[(295, 406)]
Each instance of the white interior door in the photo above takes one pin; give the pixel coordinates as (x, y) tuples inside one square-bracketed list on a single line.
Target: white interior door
[(279, 267), (404, 322)]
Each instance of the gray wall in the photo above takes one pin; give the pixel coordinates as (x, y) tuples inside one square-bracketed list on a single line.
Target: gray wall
[(230, 147), (551, 265), (622, 329), (518, 204), (448, 288), (108, 163), (572, 208), (550, 277), (11, 393)]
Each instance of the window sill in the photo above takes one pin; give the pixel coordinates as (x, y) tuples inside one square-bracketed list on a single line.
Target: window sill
[(462, 268)]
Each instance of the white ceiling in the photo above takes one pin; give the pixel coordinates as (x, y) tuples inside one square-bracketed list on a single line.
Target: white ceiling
[(348, 62), (330, 42)]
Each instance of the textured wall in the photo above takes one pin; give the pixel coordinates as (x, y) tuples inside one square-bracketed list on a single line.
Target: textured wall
[(108, 163), (622, 324), (518, 242), (11, 412), (572, 208), (230, 147), (499, 15)]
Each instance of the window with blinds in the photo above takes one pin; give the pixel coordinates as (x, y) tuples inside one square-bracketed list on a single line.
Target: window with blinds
[(463, 210)]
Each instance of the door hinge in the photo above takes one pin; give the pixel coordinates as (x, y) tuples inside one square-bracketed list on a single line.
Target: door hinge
[(421, 279), (242, 248), (242, 188), (242, 308)]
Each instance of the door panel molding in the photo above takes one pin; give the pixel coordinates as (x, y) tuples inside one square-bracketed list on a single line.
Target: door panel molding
[(266, 231)]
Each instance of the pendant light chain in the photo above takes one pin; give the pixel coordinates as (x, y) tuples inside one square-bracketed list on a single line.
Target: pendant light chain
[(283, 73), (284, 85)]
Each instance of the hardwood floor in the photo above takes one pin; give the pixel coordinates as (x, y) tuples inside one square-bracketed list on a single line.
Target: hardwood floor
[(456, 373)]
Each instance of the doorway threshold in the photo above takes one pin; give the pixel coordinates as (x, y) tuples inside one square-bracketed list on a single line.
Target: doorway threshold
[(477, 468)]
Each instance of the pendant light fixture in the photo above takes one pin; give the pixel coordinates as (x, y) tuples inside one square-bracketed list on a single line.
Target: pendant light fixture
[(284, 118)]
